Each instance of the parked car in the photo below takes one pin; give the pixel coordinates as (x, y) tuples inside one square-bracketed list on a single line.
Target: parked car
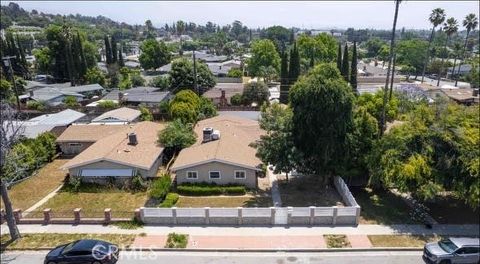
[(84, 251), (453, 250)]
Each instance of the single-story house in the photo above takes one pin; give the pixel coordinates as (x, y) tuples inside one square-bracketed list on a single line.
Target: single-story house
[(218, 69), (77, 138), (462, 96), (464, 69), (54, 94), (138, 95), (55, 123), (222, 153), (122, 155), (222, 92), (123, 115)]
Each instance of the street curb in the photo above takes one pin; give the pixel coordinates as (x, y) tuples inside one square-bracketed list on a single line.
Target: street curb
[(259, 250)]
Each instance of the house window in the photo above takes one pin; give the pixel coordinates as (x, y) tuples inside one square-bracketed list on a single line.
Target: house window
[(240, 174), (74, 144), (214, 174), (192, 175)]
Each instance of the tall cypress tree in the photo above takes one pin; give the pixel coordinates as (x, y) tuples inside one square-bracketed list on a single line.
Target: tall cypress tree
[(114, 50), (121, 62), (108, 50), (339, 57), (294, 69), (83, 60), (75, 58), (345, 64), (284, 87), (353, 72)]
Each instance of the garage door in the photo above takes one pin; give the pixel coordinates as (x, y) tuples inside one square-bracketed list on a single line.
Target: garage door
[(106, 172)]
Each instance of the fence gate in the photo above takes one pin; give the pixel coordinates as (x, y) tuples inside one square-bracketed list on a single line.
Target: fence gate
[(281, 215)]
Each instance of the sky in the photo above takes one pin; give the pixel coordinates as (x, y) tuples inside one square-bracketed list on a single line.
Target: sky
[(304, 14)]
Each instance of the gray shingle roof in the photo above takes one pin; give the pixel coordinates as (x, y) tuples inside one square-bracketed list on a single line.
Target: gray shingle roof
[(142, 94)]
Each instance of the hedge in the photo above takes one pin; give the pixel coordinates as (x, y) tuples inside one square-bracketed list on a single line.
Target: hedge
[(170, 200), (210, 189)]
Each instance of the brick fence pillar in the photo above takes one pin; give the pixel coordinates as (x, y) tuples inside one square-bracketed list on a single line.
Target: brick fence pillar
[(17, 214), (138, 215), (46, 216), (76, 215), (272, 215), (108, 215), (240, 215)]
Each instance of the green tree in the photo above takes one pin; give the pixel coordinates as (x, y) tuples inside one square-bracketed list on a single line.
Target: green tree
[(373, 46), (255, 92), (436, 18), (450, 28), (145, 115), (107, 104), (108, 50), (95, 75), (162, 82), (322, 106), (236, 99), (263, 54), (182, 75), (235, 73), (177, 136), (71, 101), (294, 67), (345, 64), (154, 54), (284, 84), (137, 79), (6, 91), (206, 109), (339, 57), (42, 59), (354, 70), (279, 36), (470, 23), (412, 52), (373, 104)]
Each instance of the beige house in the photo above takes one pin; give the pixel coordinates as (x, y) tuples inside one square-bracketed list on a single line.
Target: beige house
[(124, 154), (222, 153), (77, 138)]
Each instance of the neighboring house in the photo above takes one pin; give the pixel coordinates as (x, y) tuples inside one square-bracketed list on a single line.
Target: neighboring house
[(225, 156), (55, 123), (122, 155), (123, 115), (150, 96), (464, 69), (218, 69), (77, 138), (222, 92), (54, 95), (462, 96), (132, 64), (233, 63)]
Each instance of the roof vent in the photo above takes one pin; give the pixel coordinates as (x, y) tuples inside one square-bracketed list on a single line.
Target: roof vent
[(132, 139), (207, 134), (215, 135)]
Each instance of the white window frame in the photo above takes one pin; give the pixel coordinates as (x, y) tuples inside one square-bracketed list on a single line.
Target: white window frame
[(188, 178), (219, 175), (242, 178)]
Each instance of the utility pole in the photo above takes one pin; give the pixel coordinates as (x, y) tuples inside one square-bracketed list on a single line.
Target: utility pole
[(8, 63), (195, 74)]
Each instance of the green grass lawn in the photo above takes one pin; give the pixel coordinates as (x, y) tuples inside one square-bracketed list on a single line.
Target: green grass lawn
[(31, 241), (381, 207), (400, 240), (93, 199), (25, 194)]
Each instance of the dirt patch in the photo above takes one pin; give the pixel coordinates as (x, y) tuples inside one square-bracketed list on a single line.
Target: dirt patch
[(448, 209), (308, 191)]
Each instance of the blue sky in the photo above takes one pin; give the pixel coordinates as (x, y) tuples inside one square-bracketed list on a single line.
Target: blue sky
[(313, 14)]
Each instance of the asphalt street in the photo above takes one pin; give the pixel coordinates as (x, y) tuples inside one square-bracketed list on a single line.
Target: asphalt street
[(35, 257)]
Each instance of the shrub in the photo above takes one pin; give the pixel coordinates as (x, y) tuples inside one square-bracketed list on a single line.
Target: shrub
[(37, 105), (137, 80), (75, 183), (145, 115), (160, 187), (162, 82), (207, 109), (108, 104), (138, 184), (236, 99), (170, 200), (184, 112), (132, 224), (70, 101), (201, 189), (176, 241), (235, 73)]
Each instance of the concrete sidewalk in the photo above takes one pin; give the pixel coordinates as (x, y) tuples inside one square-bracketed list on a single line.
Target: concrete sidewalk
[(454, 230)]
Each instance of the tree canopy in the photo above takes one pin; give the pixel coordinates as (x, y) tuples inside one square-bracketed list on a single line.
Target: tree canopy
[(154, 54), (263, 54), (182, 75)]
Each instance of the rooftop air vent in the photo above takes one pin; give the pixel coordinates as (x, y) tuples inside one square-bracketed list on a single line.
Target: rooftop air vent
[(132, 139)]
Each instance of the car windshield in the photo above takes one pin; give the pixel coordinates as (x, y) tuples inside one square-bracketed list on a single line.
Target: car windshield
[(447, 245), (68, 248)]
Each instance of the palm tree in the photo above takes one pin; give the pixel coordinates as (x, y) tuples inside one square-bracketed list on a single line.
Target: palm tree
[(457, 47), (450, 27), (392, 46), (470, 23), (436, 18)]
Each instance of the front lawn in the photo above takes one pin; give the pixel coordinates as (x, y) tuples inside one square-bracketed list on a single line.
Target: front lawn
[(400, 240), (30, 191), (32, 241), (381, 207), (225, 201), (93, 199), (450, 210), (308, 191)]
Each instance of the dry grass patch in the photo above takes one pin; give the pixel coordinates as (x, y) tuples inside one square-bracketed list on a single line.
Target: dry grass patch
[(337, 241), (32, 241), (224, 201), (400, 240), (93, 199), (308, 191), (27, 193)]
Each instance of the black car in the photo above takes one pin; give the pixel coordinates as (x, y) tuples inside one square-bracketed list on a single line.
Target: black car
[(85, 251)]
